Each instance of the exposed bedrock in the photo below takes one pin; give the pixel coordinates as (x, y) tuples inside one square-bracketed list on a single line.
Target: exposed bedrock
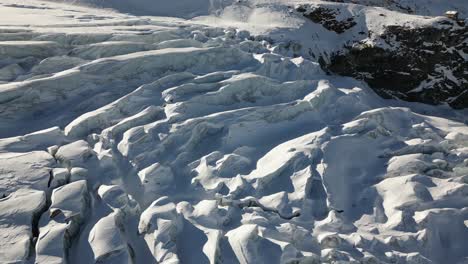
[(420, 62)]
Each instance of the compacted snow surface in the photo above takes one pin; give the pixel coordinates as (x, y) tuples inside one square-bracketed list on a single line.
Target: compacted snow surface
[(127, 139)]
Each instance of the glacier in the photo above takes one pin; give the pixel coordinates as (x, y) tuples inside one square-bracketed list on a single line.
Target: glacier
[(203, 132)]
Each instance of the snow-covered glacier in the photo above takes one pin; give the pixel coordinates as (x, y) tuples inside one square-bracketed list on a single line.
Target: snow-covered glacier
[(217, 139)]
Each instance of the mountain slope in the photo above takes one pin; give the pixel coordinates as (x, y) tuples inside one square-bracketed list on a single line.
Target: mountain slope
[(420, 7)]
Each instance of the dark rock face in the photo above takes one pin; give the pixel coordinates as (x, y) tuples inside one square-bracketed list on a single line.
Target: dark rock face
[(327, 18), (392, 4), (423, 64), (418, 64)]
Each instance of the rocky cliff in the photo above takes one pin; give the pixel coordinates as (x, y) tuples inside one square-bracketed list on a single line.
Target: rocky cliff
[(424, 63)]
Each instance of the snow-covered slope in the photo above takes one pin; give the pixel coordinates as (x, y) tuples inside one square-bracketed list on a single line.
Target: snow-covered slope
[(127, 139), (179, 8)]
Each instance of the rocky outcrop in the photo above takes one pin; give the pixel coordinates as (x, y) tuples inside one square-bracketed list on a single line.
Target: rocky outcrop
[(327, 18), (418, 7), (421, 62), (426, 64)]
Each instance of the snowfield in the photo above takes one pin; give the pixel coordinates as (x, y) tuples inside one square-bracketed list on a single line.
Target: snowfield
[(145, 139)]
